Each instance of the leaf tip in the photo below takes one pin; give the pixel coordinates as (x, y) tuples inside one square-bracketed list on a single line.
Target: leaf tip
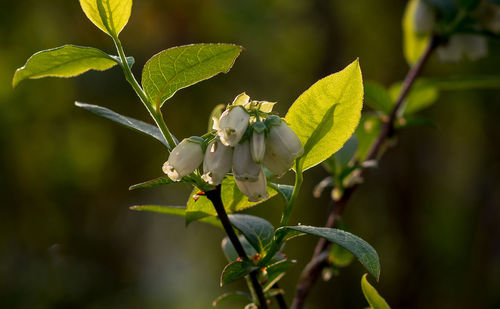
[(16, 79)]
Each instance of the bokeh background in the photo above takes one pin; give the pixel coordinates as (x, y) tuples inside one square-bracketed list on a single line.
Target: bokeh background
[(68, 239)]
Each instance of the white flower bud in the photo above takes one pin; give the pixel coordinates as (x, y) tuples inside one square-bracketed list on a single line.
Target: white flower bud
[(424, 17), (284, 142), (255, 190), (244, 168), (459, 45), (217, 162), (258, 142), (232, 125), (184, 159)]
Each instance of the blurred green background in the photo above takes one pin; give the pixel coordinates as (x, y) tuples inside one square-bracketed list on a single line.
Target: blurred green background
[(68, 239)]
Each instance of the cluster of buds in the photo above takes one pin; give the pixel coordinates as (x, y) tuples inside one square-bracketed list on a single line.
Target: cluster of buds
[(459, 45), (246, 138)]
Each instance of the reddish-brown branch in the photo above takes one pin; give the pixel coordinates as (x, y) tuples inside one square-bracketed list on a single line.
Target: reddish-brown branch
[(319, 259)]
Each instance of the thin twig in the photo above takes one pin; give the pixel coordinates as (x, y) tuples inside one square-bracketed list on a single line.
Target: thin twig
[(215, 197), (319, 259)]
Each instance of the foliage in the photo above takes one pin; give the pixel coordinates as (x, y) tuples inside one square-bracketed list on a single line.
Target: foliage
[(321, 126)]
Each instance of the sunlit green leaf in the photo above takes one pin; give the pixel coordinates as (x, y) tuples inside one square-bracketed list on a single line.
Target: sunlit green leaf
[(325, 116), (199, 206), (357, 246), (173, 210), (372, 296), (110, 16), (236, 270), (414, 43), (257, 231), (64, 61), (377, 97), (183, 66), (129, 122)]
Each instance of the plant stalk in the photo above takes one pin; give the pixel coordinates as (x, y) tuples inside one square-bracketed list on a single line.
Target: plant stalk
[(215, 197), (318, 261), (287, 212), (155, 113)]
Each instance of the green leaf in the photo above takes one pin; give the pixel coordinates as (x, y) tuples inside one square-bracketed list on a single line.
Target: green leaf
[(340, 257), (275, 272), (357, 246), (160, 181), (129, 122), (377, 97), (422, 95), (344, 156), (232, 198), (366, 133), (372, 296), (183, 66), (236, 270), (258, 232), (325, 116), (173, 210), (285, 191), (231, 295), (64, 61), (414, 44), (231, 253), (110, 16)]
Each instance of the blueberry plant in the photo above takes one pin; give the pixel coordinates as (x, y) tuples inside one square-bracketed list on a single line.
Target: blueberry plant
[(238, 162)]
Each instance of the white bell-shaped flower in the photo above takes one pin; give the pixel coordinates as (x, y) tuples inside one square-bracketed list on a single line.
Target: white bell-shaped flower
[(282, 148), (284, 142), (258, 142), (217, 162), (244, 168), (184, 158), (275, 163), (424, 17), (255, 190), (232, 125)]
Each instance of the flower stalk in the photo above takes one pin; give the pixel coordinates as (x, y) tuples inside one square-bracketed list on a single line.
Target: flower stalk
[(215, 197), (154, 112)]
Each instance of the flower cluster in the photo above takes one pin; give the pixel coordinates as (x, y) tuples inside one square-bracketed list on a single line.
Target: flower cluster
[(246, 138), (470, 43)]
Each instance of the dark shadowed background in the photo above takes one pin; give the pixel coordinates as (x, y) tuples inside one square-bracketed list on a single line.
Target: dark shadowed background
[(68, 239)]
